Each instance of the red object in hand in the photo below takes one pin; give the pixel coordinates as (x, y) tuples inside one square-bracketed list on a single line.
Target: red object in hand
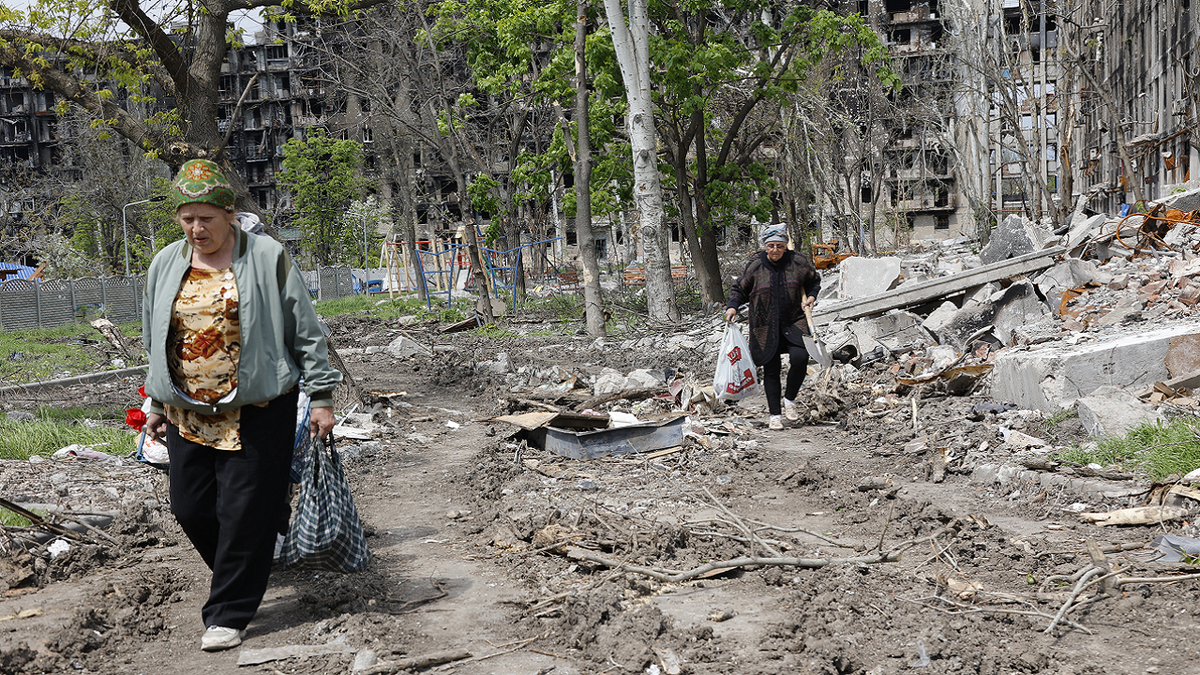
[(135, 418), (142, 391)]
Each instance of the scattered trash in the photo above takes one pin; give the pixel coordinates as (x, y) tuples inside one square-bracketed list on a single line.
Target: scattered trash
[(922, 657), (58, 547)]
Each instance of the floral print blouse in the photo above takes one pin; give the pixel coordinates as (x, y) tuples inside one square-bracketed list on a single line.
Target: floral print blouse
[(205, 341)]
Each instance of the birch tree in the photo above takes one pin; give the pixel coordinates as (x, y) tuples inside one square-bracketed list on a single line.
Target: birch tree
[(631, 41)]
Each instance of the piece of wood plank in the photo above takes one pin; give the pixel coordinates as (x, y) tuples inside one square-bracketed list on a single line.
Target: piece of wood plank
[(1188, 381), (662, 453), (924, 291)]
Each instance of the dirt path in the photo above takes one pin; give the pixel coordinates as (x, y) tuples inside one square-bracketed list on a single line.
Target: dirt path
[(470, 531)]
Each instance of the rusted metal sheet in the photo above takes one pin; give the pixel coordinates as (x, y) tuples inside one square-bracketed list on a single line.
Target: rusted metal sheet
[(634, 439)]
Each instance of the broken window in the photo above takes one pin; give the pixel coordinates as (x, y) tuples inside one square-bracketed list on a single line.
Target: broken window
[(942, 222)]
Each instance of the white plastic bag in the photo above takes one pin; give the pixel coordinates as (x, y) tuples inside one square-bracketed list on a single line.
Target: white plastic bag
[(735, 378)]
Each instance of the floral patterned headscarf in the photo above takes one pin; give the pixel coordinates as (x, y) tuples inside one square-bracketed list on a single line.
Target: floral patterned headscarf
[(200, 180)]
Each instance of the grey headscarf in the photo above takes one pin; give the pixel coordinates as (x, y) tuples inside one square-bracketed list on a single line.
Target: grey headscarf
[(776, 232)]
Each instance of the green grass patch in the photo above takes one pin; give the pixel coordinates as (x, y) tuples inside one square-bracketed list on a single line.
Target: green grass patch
[(1157, 450), (384, 308), (38, 354), (10, 519), (19, 440)]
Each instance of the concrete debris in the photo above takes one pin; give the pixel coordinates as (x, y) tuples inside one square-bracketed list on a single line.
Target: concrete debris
[(1016, 236), (405, 347), (863, 277), (1112, 411)]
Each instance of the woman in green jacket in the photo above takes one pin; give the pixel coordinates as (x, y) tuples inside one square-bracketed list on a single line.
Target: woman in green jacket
[(230, 329)]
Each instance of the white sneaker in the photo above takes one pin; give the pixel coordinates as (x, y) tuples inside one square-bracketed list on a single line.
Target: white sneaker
[(776, 423), (791, 411), (216, 638)]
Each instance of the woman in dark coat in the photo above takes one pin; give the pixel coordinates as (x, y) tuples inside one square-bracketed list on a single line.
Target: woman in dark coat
[(778, 283)]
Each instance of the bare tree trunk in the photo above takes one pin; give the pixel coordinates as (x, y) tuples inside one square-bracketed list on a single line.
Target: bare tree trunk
[(592, 298), (632, 45)]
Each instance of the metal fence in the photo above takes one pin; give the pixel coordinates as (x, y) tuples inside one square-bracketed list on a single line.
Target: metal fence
[(46, 304)]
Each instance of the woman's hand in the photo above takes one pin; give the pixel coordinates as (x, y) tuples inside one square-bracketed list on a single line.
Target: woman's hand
[(730, 313), (808, 302), (321, 421), (156, 426)]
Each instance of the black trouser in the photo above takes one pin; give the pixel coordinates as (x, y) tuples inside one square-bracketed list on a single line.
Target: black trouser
[(226, 502), (797, 369)]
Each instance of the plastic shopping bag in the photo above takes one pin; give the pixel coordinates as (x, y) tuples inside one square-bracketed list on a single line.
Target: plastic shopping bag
[(325, 532), (735, 378), (303, 442)]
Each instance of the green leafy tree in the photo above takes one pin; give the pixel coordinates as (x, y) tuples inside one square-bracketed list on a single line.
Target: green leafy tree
[(323, 176), (102, 57), (726, 69)]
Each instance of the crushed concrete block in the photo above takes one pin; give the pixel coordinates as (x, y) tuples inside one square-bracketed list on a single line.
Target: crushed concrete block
[(863, 277), (1052, 377), (642, 378), (894, 331), (405, 347), (610, 381), (1185, 268), (982, 295), (1119, 282), (1184, 201), (1016, 306), (498, 366), (968, 322), (1071, 273), (1112, 411), (1083, 230), (1183, 234), (1015, 236), (939, 319)]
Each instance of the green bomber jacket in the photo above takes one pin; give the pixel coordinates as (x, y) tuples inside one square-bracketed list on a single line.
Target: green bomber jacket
[(281, 337)]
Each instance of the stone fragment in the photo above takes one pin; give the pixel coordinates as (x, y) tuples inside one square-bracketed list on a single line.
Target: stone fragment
[(863, 277), (1016, 236), (1190, 295), (405, 347), (1128, 309), (1016, 306), (1084, 229), (1112, 411), (498, 366), (1119, 282), (642, 378), (610, 381), (894, 331)]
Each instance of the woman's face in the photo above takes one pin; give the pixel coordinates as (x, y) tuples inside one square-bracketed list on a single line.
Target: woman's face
[(207, 227), (775, 250)]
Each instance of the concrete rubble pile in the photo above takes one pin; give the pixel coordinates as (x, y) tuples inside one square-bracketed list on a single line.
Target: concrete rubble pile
[(1100, 317)]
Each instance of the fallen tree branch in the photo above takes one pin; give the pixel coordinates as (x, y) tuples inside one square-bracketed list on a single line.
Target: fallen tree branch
[(741, 525), (676, 576), (971, 609), (1062, 611), (1156, 580), (433, 659)]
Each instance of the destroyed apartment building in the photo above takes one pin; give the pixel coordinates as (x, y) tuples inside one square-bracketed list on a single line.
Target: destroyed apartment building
[(1034, 108)]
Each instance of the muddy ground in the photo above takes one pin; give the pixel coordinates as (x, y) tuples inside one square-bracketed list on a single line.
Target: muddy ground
[(484, 544)]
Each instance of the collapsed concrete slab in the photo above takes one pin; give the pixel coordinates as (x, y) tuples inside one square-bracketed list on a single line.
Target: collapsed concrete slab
[(932, 289), (1112, 411), (863, 277), (1015, 237), (1015, 307), (1053, 377)]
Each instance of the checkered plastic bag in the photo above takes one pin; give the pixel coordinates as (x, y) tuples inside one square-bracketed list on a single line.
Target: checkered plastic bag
[(325, 532)]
